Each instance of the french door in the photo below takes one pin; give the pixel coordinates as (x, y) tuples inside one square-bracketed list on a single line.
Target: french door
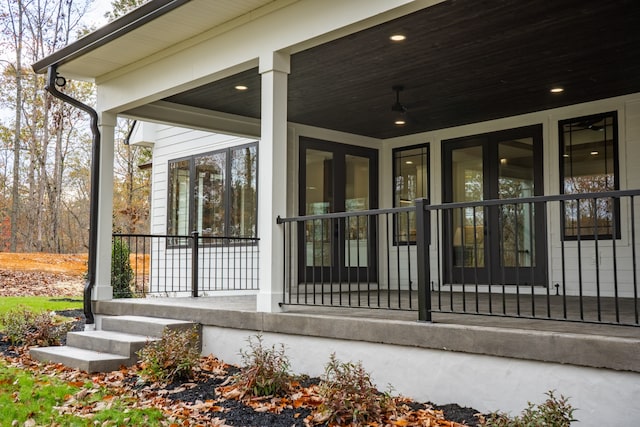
[(503, 244), (337, 178)]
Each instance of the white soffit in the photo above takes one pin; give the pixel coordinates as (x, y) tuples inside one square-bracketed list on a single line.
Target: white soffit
[(183, 23)]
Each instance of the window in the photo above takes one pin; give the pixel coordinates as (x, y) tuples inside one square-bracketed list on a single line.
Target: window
[(589, 164), (410, 182), (214, 193)]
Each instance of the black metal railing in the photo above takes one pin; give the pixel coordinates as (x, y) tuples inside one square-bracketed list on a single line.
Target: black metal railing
[(165, 266), (351, 259), (562, 257)]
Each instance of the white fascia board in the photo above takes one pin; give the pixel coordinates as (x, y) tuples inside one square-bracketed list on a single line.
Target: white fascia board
[(216, 54)]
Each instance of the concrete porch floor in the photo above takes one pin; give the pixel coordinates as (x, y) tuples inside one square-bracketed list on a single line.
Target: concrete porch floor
[(580, 344)]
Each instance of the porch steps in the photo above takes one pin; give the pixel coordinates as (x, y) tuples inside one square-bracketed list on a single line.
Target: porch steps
[(115, 345)]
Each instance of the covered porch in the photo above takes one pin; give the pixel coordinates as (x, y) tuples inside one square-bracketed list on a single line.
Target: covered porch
[(495, 110), (437, 273), (445, 190)]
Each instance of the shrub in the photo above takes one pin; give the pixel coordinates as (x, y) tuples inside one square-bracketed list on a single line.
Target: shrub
[(349, 395), (16, 324), (554, 412), (25, 327), (121, 271), (46, 331), (173, 357), (266, 370)]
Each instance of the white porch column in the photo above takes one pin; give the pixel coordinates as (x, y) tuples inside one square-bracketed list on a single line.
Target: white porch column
[(272, 178), (102, 289)]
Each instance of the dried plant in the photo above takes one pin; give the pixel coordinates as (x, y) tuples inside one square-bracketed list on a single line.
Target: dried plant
[(25, 327), (173, 357), (266, 370), (349, 396), (554, 412)]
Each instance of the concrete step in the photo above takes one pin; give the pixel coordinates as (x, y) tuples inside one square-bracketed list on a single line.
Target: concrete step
[(78, 358), (141, 325), (119, 343), (115, 345)]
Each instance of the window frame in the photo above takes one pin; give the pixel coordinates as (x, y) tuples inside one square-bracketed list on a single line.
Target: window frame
[(228, 151), (394, 153), (616, 176)]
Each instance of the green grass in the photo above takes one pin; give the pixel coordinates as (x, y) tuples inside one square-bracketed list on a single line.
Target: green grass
[(38, 304), (26, 395)]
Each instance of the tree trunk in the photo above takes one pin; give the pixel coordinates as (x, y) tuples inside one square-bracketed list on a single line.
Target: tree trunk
[(15, 187)]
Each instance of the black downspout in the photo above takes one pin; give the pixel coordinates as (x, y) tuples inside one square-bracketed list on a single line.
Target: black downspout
[(127, 139), (54, 80)]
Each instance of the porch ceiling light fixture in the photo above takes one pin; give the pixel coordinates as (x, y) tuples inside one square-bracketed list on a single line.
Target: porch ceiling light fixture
[(241, 87), (397, 37), (400, 110), (557, 89)]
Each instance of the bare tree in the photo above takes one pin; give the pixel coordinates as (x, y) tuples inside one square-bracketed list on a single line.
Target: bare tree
[(14, 29), (44, 129), (132, 184), (46, 146), (122, 7)]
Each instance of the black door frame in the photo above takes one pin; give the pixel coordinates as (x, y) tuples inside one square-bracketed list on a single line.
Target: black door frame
[(338, 271), (493, 272)]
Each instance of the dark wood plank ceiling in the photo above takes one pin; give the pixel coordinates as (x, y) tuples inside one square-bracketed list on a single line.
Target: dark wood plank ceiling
[(463, 61)]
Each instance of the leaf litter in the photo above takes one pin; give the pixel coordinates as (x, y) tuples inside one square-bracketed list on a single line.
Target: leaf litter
[(209, 399)]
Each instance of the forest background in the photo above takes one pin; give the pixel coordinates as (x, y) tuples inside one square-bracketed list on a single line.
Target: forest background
[(45, 144)]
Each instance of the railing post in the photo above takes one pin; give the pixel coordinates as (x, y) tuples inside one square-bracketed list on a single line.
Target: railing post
[(279, 221), (423, 225), (194, 264)]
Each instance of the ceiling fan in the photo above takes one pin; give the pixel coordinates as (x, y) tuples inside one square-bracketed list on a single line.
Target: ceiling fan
[(400, 111), (593, 124)]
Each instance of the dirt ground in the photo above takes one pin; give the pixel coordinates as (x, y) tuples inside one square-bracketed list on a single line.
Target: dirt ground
[(41, 274)]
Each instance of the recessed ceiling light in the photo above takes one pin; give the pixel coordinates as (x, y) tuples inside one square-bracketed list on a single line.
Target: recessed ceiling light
[(408, 162), (557, 90), (400, 122), (594, 153), (398, 37), (565, 155), (241, 87)]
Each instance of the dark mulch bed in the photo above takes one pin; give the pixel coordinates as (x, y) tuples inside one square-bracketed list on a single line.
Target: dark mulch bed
[(238, 414)]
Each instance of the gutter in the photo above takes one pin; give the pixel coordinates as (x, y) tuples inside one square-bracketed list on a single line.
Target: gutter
[(53, 80), (113, 30)]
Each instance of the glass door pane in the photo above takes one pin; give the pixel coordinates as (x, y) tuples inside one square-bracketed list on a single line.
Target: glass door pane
[(179, 198), (468, 223), (495, 243), (319, 200), (356, 199), (210, 194), (337, 178), (516, 180)]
